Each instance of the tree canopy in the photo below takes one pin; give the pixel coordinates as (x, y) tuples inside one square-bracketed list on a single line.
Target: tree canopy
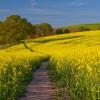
[(59, 31), (44, 29), (15, 28)]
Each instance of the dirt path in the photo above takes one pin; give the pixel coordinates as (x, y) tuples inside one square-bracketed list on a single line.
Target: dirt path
[(40, 87)]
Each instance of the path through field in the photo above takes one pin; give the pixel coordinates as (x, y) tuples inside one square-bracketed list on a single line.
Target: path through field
[(40, 87)]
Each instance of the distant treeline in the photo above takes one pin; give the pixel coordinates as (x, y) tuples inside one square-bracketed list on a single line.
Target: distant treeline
[(15, 28), (78, 28)]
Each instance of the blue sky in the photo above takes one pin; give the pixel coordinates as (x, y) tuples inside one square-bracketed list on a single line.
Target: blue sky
[(56, 12)]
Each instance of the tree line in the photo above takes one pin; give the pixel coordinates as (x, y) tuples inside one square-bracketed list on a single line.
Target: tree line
[(15, 28)]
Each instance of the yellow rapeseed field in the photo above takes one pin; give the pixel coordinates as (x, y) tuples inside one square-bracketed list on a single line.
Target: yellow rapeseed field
[(15, 70), (74, 64)]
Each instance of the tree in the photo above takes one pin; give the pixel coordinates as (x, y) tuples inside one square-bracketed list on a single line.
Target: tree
[(98, 28), (39, 32), (66, 30), (84, 29), (15, 28), (44, 29), (59, 31)]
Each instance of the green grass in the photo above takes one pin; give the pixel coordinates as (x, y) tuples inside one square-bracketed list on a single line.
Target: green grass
[(91, 26)]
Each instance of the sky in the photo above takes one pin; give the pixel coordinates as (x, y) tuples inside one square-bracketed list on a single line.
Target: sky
[(56, 12)]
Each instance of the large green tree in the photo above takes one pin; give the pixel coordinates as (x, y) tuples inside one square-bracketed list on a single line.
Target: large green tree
[(15, 28)]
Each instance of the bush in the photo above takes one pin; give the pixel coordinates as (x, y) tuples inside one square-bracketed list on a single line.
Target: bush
[(84, 29), (66, 31), (59, 31)]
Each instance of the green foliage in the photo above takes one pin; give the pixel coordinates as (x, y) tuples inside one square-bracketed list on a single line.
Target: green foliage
[(66, 30), (44, 29), (59, 31), (15, 28), (93, 26), (83, 29)]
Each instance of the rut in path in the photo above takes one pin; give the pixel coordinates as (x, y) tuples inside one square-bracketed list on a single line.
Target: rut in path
[(40, 87)]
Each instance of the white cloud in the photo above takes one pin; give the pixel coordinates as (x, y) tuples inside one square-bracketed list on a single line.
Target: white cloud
[(78, 3)]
